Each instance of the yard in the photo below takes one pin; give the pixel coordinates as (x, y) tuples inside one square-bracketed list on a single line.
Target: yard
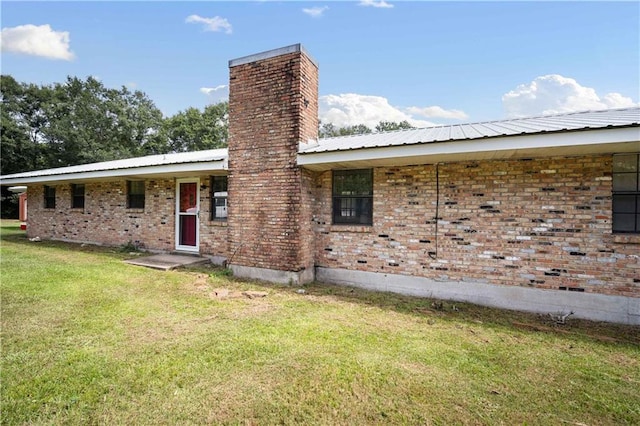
[(87, 339)]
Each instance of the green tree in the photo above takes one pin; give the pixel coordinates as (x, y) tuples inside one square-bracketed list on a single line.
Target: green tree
[(88, 122), (140, 123), (75, 122), (388, 126), (195, 130), (329, 130), (358, 129), (22, 122)]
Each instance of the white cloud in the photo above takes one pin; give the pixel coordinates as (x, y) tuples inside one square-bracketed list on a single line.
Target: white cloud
[(616, 100), (210, 90), (375, 3), (215, 24), (350, 109), (555, 94), (35, 40), (315, 12), (438, 112), (216, 94)]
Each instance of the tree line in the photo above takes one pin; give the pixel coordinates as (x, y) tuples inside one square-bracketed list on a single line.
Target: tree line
[(81, 121), (329, 130)]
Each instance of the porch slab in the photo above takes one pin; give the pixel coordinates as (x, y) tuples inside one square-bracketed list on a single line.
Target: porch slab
[(166, 262)]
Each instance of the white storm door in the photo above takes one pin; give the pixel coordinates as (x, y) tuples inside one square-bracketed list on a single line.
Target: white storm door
[(188, 214)]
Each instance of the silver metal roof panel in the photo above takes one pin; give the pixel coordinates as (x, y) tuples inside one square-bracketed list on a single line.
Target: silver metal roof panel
[(130, 163), (627, 117)]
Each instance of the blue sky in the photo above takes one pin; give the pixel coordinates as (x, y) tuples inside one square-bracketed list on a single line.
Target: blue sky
[(427, 62)]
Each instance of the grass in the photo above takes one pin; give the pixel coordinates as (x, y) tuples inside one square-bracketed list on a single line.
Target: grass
[(87, 339)]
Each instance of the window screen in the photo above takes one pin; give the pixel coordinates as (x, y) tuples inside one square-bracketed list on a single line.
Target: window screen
[(135, 194), (77, 196), (218, 198), (49, 197), (353, 196), (626, 193)]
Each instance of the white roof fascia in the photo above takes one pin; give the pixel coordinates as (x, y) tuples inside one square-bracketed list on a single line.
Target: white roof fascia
[(518, 146), (169, 169)]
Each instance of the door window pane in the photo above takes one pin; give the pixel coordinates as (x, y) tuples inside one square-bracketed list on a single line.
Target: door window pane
[(188, 199), (188, 230)]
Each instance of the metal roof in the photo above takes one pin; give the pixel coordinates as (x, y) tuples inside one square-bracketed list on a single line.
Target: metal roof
[(589, 120), (211, 155), (563, 134)]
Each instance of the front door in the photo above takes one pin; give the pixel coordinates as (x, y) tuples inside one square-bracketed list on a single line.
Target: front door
[(188, 214)]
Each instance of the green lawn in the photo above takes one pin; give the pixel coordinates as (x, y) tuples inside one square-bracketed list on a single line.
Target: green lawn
[(87, 339)]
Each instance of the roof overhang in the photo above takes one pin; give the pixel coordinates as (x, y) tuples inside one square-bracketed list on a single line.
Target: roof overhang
[(158, 172), (574, 143)]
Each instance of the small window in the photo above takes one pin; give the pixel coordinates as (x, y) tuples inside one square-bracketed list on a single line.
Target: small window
[(77, 196), (49, 197), (135, 194), (626, 193), (353, 197), (218, 198)]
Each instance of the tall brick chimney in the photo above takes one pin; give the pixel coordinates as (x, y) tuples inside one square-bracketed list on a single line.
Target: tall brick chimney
[(273, 107)]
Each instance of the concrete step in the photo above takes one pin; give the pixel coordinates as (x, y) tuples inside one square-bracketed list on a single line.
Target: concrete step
[(166, 262)]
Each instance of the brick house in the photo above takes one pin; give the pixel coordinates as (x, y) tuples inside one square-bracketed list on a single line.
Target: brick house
[(539, 214)]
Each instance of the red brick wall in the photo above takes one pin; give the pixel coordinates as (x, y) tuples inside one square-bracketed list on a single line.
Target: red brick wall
[(106, 219), (273, 106), (543, 223)]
